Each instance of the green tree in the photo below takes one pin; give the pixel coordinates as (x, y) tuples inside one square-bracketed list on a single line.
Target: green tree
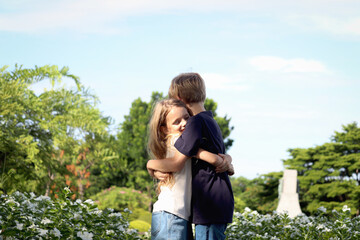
[(329, 173), (132, 143), (239, 186), (260, 194), (41, 134)]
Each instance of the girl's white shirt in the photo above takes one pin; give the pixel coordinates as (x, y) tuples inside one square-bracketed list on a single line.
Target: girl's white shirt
[(176, 199)]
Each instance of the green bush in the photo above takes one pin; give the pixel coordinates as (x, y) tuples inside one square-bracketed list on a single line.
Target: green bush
[(25, 216), (140, 214), (140, 225), (325, 225), (120, 198)]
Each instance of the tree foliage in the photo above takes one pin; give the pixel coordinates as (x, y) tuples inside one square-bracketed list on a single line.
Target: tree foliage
[(260, 194), (329, 173), (41, 134)]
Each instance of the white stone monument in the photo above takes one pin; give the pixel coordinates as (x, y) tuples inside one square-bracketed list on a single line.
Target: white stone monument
[(289, 197)]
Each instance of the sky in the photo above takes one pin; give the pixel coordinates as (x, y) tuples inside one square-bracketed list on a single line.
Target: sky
[(286, 72)]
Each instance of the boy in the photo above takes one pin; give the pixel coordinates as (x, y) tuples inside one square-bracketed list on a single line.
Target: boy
[(212, 197)]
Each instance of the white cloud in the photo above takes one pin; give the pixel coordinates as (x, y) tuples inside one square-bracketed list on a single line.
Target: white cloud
[(221, 82), (271, 63), (334, 25), (91, 16)]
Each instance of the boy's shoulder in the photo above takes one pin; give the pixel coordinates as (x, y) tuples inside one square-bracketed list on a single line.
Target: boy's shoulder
[(205, 120), (203, 115)]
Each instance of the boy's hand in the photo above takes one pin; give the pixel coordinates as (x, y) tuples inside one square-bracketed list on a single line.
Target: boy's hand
[(161, 175), (226, 165)]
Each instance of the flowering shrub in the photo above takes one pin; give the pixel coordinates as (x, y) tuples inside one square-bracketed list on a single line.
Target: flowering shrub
[(324, 225), (25, 216), (120, 198)]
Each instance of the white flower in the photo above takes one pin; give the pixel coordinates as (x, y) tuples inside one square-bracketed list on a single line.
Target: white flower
[(77, 216), (127, 210), (32, 226), (131, 231), (89, 201), (32, 195), (43, 198), (322, 209), (97, 212), (42, 232), (67, 189), (116, 214), (12, 201), (320, 226), (247, 209), (46, 221), (78, 201), (19, 226), (255, 213), (85, 235), (109, 232), (345, 208), (18, 194), (30, 205), (56, 232), (121, 228)]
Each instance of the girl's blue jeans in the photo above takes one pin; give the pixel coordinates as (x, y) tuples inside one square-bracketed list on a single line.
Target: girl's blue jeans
[(165, 226)]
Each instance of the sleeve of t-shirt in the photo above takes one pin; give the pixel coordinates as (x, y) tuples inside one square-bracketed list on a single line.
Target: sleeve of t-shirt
[(189, 141)]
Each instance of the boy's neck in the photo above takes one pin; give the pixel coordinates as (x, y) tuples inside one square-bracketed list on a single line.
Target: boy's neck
[(196, 107)]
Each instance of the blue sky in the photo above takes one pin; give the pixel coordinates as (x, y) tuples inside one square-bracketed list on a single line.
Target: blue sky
[(286, 72)]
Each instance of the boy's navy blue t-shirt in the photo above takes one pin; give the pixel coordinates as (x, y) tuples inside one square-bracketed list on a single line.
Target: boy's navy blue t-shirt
[(212, 196)]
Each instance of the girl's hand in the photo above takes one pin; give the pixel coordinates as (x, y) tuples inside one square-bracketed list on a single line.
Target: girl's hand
[(226, 165), (161, 176)]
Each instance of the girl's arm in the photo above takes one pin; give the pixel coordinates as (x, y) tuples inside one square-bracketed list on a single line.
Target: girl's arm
[(173, 164), (209, 157), (177, 162), (222, 162)]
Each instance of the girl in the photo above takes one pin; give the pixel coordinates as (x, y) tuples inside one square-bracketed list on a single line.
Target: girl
[(171, 212)]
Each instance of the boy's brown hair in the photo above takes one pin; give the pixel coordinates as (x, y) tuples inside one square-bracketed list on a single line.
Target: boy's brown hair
[(189, 87)]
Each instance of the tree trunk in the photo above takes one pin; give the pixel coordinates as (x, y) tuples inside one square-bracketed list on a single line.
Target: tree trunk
[(81, 188)]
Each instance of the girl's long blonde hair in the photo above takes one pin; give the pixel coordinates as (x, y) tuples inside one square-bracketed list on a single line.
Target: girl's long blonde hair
[(157, 143)]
